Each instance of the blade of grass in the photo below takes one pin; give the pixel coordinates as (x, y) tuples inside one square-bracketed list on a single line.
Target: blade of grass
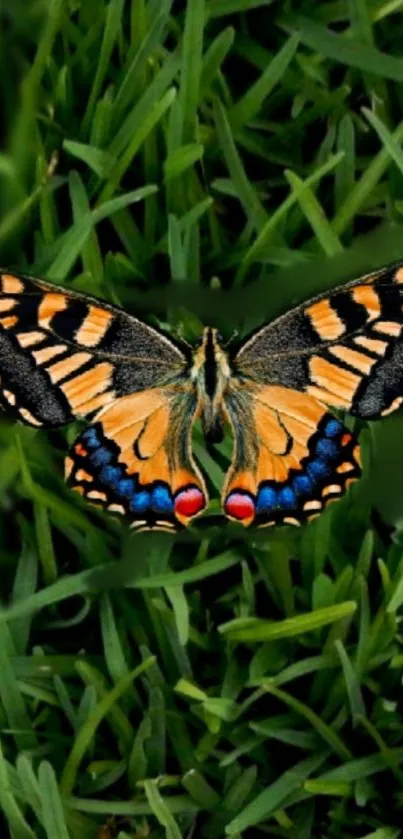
[(146, 48), (88, 729), (180, 606), (352, 684), (267, 232), (315, 215), (150, 122), (271, 798), (388, 140), (97, 159), (161, 812), (52, 809), (348, 51), (176, 804), (219, 8), (326, 732), (12, 700), (107, 576), (9, 807), (249, 105), (182, 159), (29, 784), (24, 586), (345, 173), (145, 105), (91, 252), (113, 649), (254, 629), (365, 185), (191, 67), (214, 58), (75, 239), (113, 22), (246, 194)]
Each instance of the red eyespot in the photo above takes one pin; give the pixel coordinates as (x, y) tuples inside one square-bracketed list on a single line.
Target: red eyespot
[(80, 450), (239, 505), (189, 502), (345, 439)]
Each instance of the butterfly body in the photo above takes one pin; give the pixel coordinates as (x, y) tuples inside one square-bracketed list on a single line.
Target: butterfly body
[(210, 373), (65, 355)]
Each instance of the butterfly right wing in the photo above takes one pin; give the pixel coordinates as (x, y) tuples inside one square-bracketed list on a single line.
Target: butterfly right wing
[(65, 355)]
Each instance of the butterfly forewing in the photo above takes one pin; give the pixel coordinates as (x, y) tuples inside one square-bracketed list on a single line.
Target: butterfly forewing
[(343, 348), (64, 355)]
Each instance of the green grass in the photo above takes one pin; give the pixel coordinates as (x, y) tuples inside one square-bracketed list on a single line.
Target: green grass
[(209, 161)]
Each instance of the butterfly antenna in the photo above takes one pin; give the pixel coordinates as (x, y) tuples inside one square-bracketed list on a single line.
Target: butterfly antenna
[(231, 340)]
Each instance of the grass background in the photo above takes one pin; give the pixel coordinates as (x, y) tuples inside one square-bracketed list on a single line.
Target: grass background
[(209, 161)]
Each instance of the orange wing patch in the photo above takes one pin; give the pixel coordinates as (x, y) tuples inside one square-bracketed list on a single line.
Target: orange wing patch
[(10, 284), (93, 327), (373, 345), (354, 359), (7, 303), (389, 327), (325, 320), (9, 322), (29, 339), (367, 296), (49, 306), (83, 389), (336, 385)]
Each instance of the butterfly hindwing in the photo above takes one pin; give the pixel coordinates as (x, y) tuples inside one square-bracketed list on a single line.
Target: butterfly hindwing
[(135, 460), (344, 348), (291, 456), (63, 354)]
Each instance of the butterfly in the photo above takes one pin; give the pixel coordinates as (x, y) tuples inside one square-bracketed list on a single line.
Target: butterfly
[(65, 355)]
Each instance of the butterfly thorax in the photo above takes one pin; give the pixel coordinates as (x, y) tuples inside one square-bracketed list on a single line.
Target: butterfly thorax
[(210, 373)]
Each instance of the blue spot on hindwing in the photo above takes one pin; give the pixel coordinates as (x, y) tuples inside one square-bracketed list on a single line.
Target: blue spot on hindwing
[(287, 498), (161, 500), (303, 484), (319, 468), (333, 427), (110, 476), (125, 487), (266, 499), (101, 457), (140, 502), (90, 437), (328, 449)]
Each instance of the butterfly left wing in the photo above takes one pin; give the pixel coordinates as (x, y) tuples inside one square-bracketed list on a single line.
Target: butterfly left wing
[(291, 456), (135, 459), (64, 354)]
